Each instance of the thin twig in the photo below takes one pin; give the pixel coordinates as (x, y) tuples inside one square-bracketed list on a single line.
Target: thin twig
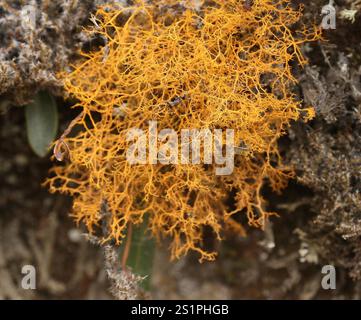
[(60, 144), (127, 247)]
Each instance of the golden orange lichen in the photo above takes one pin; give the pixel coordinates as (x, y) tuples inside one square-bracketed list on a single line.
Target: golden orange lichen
[(220, 65)]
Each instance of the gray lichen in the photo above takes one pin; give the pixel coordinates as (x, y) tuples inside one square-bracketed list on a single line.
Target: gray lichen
[(37, 40), (327, 156)]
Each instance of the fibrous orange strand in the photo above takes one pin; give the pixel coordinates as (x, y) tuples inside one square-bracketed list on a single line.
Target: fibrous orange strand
[(218, 66)]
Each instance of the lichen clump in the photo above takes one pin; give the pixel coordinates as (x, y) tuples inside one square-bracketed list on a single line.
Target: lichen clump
[(220, 65)]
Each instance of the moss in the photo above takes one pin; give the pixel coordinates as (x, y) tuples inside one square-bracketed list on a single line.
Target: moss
[(37, 40), (327, 153)]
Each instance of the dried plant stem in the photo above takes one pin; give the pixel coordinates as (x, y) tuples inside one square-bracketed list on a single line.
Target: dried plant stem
[(58, 148), (127, 247)]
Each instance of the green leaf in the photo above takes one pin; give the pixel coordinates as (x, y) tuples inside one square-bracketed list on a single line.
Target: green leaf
[(141, 253), (41, 122)]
